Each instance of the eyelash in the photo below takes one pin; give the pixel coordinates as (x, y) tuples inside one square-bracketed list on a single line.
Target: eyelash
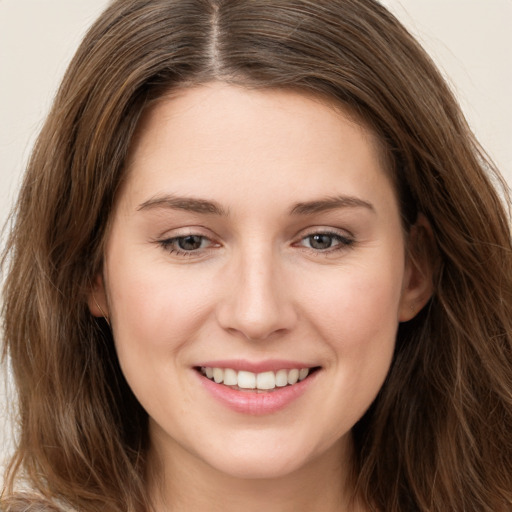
[(343, 243), (171, 245)]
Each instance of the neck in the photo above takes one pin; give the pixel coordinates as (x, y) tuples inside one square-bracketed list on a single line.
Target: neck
[(183, 482)]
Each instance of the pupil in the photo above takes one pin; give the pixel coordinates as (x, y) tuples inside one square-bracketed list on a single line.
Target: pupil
[(189, 243), (321, 241)]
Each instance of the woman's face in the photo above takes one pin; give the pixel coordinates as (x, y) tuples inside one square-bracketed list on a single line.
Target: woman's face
[(257, 239)]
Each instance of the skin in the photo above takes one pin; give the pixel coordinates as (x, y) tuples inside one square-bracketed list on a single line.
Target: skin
[(257, 288)]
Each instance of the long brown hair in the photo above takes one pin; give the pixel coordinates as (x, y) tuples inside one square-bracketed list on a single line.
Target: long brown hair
[(439, 435)]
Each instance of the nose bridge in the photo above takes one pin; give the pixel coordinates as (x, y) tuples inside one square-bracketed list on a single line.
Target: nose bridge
[(257, 305)]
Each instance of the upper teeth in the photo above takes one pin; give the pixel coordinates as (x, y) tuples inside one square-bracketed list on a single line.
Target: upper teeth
[(250, 380)]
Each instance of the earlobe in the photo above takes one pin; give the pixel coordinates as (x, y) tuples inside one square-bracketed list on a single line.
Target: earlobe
[(421, 261), (97, 298)]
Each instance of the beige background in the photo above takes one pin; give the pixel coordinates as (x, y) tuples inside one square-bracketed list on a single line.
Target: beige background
[(471, 40)]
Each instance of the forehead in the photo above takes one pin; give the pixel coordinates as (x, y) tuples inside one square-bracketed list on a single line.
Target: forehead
[(226, 135)]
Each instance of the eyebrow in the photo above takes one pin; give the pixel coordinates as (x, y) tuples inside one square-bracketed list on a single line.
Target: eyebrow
[(330, 203), (204, 206), (190, 204)]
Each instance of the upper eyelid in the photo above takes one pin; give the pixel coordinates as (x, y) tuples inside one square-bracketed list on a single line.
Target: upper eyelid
[(204, 232), (180, 232), (324, 230)]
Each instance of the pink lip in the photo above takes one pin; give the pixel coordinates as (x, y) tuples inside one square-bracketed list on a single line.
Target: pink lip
[(271, 365), (253, 402)]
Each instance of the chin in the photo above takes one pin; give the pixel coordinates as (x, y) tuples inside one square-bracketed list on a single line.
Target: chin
[(257, 468), (262, 459)]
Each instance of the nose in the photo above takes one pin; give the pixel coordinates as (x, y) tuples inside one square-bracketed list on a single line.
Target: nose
[(257, 302)]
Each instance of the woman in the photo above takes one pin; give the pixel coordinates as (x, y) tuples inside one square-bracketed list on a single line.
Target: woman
[(258, 261)]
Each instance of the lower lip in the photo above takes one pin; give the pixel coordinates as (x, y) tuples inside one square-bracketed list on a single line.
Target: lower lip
[(256, 403)]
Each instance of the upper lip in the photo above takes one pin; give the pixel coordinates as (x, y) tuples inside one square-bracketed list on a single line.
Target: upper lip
[(256, 366)]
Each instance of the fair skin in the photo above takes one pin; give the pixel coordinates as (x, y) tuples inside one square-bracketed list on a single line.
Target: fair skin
[(257, 231)]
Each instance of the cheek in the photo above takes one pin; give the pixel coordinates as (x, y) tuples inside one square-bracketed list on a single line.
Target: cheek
[(155, 309), (356, 300), (155, 315), (360, 327), (358, 321)]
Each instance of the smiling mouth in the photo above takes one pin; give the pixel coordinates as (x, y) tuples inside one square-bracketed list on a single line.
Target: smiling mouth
[(257, 382)]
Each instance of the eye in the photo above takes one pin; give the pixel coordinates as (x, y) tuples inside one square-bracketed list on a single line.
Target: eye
[(190, 242), (324, 242), (185, 245)]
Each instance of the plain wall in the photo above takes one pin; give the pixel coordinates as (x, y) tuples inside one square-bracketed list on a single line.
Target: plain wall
[(471, 40)]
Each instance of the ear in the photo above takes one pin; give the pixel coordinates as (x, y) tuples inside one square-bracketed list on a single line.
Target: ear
[(97, 298), (421, 261)]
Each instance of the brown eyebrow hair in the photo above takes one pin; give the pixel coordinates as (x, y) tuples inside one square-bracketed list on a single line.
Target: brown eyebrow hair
[(184, 203), (205, 206), (330, 203)]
